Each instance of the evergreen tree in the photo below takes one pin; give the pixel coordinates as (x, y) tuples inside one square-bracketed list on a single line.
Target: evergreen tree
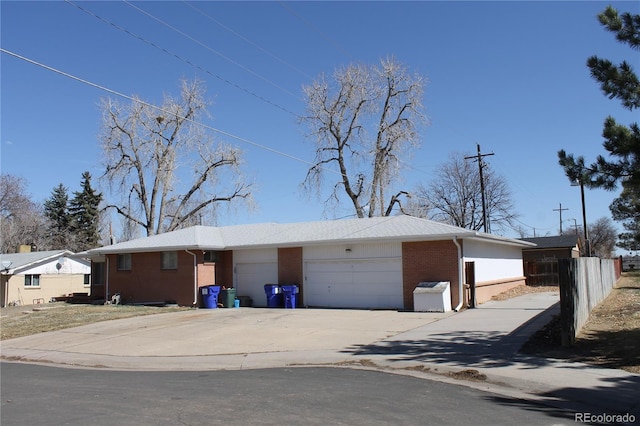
[(57, 212), (84, 210), (622, 143), (626, 208)]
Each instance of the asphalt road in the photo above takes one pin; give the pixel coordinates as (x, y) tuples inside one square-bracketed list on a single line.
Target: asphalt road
[(43, 395)]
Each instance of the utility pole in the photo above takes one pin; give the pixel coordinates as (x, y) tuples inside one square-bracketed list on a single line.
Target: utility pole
[(575, 224), (481, 165), (560, 210)]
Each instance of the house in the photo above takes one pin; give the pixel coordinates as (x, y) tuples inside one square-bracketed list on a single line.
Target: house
[(540, 262), (630, 263), (555, 247), (354, 263), (38, 277)]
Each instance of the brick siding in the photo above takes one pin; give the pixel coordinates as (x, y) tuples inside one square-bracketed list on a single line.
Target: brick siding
[(429, 261), (290, 269), (148, 282)]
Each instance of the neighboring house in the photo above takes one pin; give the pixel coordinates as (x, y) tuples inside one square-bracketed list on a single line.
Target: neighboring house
[(355, 263), (38, 277), (540, 262), (630, 263), (556, 247)]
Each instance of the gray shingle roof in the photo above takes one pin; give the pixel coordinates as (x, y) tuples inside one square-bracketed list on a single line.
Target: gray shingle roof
[(557, 241), (393, 228)]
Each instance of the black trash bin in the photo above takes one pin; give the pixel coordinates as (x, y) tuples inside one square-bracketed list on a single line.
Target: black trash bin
[(274, 295)]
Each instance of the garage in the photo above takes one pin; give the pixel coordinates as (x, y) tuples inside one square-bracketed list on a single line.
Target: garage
[(354, 283), (253, 269), (251, 278)]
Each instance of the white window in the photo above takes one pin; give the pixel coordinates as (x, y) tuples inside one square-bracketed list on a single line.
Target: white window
[(32, 280), (87, 280), (169, 260), (124, 262)]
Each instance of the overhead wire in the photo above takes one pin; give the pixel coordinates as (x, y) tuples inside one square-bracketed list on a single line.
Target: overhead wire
[(306, 22), (254, 44), (180, 58), (198, 42), (133, 99), (340, 49), (309, 25), (247, 40), (187, 61), (345, 53)]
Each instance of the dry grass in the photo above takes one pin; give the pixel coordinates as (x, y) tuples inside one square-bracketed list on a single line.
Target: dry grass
[(611, 336), (525, 289), (18, 321)]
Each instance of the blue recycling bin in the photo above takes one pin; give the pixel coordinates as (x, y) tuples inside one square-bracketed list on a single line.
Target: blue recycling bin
[(209, 294), (289, 292), (274, 295)]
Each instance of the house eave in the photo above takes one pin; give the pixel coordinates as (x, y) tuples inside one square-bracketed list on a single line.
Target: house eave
[(388, 239), (106, 251)]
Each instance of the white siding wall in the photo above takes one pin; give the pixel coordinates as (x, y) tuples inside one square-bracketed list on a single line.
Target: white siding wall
[(255, 256), (252, 270), (53, 282), (493, 261), (69, 266)]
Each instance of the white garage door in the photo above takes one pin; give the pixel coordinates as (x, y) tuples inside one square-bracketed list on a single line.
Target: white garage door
[(354, 284), (251, 278)]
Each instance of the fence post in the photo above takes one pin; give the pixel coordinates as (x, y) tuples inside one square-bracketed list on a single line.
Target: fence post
[(566, 276)]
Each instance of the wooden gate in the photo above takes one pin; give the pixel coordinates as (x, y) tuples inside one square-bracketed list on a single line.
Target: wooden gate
[(542, 272)]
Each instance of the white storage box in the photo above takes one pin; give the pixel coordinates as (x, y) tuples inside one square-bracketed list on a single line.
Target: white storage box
[(432, 296)]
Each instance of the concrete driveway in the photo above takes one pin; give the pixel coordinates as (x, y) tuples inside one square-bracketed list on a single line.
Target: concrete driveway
[(207, 339), (484, 339)]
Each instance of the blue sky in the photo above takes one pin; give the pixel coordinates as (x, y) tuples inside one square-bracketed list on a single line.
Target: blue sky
[(510, 76)]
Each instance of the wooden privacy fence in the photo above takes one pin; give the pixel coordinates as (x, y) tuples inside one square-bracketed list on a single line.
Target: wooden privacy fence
[(541, 272), (584, 283)]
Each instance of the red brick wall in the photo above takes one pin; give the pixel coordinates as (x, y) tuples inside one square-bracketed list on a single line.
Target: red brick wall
[(429, 261), (290, 269), (290, 265), (224, 268), (147, 282), (206, 272)]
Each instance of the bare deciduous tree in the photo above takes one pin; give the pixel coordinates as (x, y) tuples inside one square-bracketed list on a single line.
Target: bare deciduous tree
[(163, 165), (455, 197), (363, 122), (602, 238), (21, 220)]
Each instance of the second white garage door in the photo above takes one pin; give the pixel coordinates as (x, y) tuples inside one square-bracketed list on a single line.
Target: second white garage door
[(354, 284), (251, 278)]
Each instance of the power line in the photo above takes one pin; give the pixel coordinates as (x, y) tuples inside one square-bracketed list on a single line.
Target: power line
[(122, 95), (257, 46), (532, 227), (180, 58), (182, 33), (314, 28), (251, 42), (319, 166)]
